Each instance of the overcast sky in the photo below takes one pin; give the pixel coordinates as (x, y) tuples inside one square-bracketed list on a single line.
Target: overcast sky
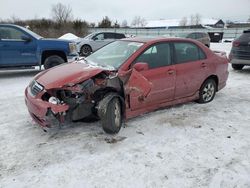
[(95, 10)]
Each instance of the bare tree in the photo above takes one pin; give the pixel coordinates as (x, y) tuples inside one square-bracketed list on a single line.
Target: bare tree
[(197, 19), (124, 23), (105, 23), (61, 13), (92, 24), (138, 21), (183, 21), (192, 20), (116, 24)]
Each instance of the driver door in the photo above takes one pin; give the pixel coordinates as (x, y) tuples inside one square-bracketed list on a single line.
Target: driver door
[(14, 50), (160, 75)]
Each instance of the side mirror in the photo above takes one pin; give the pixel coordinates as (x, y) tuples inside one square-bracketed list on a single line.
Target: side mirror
[(141, 66), (26, 39)]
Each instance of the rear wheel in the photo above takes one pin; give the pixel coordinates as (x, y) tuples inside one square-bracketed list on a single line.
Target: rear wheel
[(85, 50), (52, 61), (237, 66), (207, 91), (112, 120)]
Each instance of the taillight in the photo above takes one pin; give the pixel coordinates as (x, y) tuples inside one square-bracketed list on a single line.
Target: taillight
[(230, 57), (236, 43)]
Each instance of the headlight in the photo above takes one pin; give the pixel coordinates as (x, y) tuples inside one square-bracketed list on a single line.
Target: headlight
[(35, 88), (54, 100), (72, 48)]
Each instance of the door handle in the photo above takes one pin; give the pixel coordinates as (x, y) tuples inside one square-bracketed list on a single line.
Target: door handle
[(170, 72), (203, 64)]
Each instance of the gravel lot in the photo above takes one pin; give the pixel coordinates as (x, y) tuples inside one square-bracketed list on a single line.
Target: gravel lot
[(188, 145)]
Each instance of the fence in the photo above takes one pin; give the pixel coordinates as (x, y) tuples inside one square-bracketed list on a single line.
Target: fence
[(227, 32)]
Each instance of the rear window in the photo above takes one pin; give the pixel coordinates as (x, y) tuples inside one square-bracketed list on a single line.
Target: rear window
[(119, 36), (109, 36), (245, 37), (186, 52)]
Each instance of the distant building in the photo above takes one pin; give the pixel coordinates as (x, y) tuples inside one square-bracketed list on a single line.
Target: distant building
[(238, 24), (175, 23)]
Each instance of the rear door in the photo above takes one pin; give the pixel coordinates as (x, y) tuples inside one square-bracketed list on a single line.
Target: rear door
[(14, 51), (109, 37), (119, 36), (160, 75), (191, 68)]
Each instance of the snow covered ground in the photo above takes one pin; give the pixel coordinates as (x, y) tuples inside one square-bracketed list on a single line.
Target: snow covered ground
[(189, 145)]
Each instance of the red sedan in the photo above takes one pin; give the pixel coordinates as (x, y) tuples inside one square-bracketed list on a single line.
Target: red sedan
[(127, 78)]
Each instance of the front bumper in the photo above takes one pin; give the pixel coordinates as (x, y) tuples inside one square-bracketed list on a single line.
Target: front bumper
[(43, 112), (240, 61)]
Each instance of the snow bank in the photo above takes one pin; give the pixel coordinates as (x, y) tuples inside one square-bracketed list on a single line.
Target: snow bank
[(69, 36)]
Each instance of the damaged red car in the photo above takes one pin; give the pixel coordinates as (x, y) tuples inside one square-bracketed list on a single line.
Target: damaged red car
[(126, 78)]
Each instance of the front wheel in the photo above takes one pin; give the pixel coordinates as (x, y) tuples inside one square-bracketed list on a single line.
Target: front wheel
[(237, 66), (207, 91), (85, 50), (112, 120), (52, 61)]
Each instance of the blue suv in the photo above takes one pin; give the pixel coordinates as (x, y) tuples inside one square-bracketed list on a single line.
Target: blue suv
[(20, 47)]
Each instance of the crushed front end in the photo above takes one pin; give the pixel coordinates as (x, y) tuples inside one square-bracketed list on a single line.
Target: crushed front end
[(70, 102), (42, 110)]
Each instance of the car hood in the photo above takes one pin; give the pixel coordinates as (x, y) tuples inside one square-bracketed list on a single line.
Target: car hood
[(67, 74), (55, 40), (82, 40)]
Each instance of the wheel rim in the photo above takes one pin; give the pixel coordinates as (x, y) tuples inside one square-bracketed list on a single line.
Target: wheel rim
[(86, 50), (117, 112), (208, 92)]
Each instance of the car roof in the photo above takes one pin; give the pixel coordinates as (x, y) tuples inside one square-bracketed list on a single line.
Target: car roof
[(12, 25), (97, 32), (156, 39)]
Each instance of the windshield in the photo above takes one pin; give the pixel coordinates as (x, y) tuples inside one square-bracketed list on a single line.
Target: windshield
[(32, 33), (114, 54), (90, 36)]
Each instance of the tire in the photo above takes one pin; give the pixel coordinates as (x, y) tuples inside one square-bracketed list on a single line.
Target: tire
[(85, 50), (112, 120), (207, 91), (237, 66), (52, 61)]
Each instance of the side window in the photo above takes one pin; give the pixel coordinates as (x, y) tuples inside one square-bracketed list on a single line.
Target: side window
[(186, 52), (99, 36), (192, 36), (109, 36), (119, 36), (202, 55), (158, 55), (8, 33), (200, 35)]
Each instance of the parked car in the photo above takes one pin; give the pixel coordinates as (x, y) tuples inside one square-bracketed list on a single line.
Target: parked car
[(240, 52), (94, 41), (200, 36), (127, 78), (20, 47)]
